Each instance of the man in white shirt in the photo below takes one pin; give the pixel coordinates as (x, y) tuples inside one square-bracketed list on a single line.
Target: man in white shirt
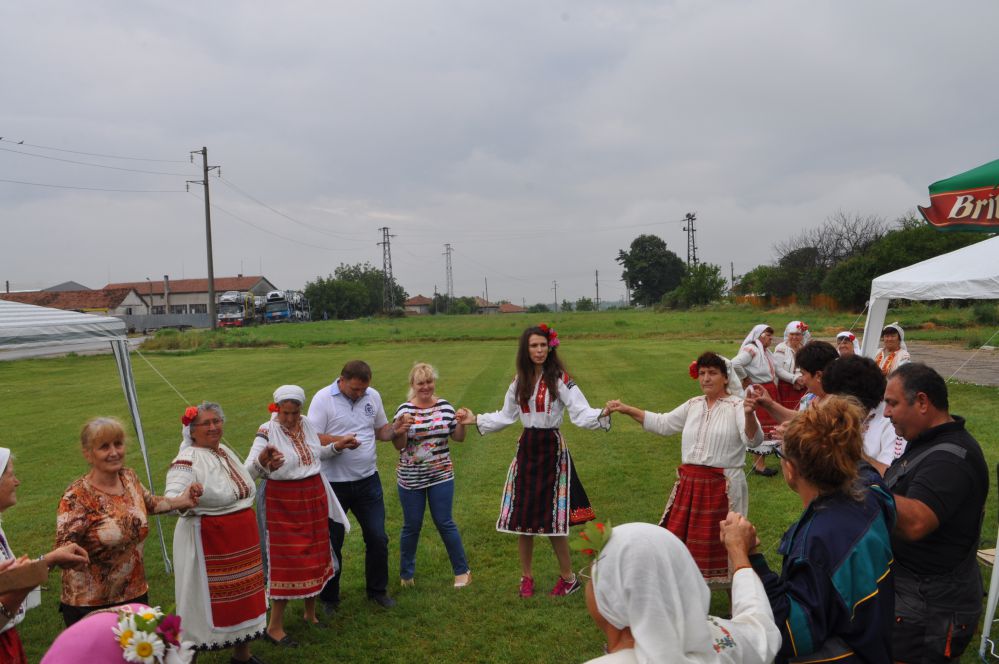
[(350, 413)]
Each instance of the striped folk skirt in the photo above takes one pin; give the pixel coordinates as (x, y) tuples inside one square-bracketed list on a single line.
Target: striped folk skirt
[(298, 538), (789, 395), (696, 505), (542, 494)]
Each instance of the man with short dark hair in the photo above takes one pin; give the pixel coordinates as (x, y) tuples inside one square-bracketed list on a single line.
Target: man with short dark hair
[(350, 413), (940, 484)]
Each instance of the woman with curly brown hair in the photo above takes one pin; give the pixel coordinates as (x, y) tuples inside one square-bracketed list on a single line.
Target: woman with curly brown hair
[(834, 598)]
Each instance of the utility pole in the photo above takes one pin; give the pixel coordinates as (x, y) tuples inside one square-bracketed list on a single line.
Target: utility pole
[(596, 276), (486, 279), (555, 288), (213, 318), (388, 293), (691, 244), (450, 277), (435, 298), (731, 268)]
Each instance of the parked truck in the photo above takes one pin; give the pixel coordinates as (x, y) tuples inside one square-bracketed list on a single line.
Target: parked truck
[(286, 306), (236, 309)]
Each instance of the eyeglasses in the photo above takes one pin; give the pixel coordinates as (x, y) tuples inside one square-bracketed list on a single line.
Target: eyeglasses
[(779, 452), (214, 422)]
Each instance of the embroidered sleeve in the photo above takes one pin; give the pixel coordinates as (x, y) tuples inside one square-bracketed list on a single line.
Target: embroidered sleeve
[(667, 424), (510, 413)]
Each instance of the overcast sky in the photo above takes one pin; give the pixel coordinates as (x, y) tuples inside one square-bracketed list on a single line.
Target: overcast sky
[(537, 138)]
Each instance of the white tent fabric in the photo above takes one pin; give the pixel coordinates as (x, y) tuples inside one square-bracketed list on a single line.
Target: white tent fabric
[(971, 273), (29, 326)]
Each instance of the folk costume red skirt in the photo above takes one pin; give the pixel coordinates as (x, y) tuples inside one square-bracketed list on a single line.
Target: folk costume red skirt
[(789, 395), (767, 422), (696, 505), (299, 558), (234, 567), (542, 494), (11, 650)]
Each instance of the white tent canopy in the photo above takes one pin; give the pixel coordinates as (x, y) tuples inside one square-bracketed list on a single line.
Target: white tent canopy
[(970, 273), (28, 326)]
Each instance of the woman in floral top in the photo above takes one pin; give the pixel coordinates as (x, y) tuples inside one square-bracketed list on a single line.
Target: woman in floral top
[(105, 512), (425, 473)]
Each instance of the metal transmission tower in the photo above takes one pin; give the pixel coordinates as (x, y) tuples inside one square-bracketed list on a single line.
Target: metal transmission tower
[(388, 292), (450, 277), (691, 244), (596, 280)]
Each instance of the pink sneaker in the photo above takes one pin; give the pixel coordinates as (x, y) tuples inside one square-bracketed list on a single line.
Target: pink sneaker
[(526, 586), (563, 587)]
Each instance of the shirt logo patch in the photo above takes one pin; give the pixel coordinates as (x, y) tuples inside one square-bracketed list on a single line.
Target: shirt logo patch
[(369, 410)]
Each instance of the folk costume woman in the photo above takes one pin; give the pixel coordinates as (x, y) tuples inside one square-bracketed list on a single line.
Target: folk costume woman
[(297, 507), (755, 365), (542, 495), (716, 428), (846, 344), (893, 352), (219, 575), (790, 385), (14, 603)]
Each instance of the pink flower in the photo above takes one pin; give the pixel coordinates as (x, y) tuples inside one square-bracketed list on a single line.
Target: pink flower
[(169, 629)]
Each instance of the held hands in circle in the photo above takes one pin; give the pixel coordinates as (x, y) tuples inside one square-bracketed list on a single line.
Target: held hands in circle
[(340, 443), (402, 423), (270, 458), (189, 498), (68, 556), (465, 416), (756, 397), (738, 534)]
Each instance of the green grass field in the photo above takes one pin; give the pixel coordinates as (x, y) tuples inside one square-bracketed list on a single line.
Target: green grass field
[(638, 357)]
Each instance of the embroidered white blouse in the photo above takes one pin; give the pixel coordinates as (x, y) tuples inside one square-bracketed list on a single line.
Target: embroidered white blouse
[(713, 436), (227, 486), (785, 364), (759, 367), (301, 458), (888, 362), (544, 412)]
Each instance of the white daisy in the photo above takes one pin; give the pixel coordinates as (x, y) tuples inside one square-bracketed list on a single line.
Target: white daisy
[(124, 631), (152, 613), (145, 648)]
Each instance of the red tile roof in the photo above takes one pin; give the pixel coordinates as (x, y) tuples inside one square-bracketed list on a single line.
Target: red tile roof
[(106, 299), (222, 284), (417, 300), (507, 308)]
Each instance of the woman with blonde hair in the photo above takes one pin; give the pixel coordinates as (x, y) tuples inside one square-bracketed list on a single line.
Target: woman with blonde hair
[(834, 597), (107, 513), (425, 472)]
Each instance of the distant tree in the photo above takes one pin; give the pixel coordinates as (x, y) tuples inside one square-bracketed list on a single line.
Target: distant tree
[(584, 304), (911, 241), (565, 306), (841, 236), (538, 309), (702, 284), (650, 269), (351, 291), (761, 280)]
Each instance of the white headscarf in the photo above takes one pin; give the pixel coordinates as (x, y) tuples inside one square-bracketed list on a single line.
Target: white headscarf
[(850, 336), (645, 579), (901, 333), (754, 337), (798, 326), (4, 458), (288, 393), (734, 382)]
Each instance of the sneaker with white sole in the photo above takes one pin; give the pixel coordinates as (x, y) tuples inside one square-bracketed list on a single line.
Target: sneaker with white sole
[(526, 586), (563, 587)]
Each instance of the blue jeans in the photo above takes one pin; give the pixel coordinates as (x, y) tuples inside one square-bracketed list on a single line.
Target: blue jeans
[(440, 497), (364, 499)]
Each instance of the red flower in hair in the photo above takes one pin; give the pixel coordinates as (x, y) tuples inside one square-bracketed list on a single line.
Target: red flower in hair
[(273, 407), (693, 369), (190, 413), (543, 327), (803, 327)]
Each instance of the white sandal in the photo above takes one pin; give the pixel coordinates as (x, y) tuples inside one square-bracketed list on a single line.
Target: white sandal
[(461, 583)]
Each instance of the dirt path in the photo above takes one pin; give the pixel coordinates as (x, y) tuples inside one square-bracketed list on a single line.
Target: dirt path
[(982, 369)]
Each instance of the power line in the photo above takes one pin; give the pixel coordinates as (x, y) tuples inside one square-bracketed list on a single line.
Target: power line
[(388, 293), (66, 186), (259, 202), (86, 163), (92, 154)]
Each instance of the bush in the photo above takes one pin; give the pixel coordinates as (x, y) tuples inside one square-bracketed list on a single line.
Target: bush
[(985, 312)]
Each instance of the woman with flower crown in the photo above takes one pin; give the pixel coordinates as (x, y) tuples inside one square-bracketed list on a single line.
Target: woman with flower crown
[(219, 576), (790, 384), (542, 495), (716, 427)]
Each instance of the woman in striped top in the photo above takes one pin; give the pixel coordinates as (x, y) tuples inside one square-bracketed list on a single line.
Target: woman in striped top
[(425, 473)]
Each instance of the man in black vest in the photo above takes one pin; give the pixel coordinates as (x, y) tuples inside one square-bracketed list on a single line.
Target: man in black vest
[(940, 484)]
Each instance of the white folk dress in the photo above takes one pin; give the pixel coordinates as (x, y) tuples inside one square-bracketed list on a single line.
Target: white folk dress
[(228, 489)]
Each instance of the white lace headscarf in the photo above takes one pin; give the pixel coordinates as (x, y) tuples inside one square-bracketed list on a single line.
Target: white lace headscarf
[(901, 333), (288, 393), (850, 336), (798, 326), (645, 579), (753, 339)]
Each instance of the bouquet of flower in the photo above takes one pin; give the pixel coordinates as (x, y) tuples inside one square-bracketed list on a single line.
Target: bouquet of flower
[(592, 538), (149, 636)]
